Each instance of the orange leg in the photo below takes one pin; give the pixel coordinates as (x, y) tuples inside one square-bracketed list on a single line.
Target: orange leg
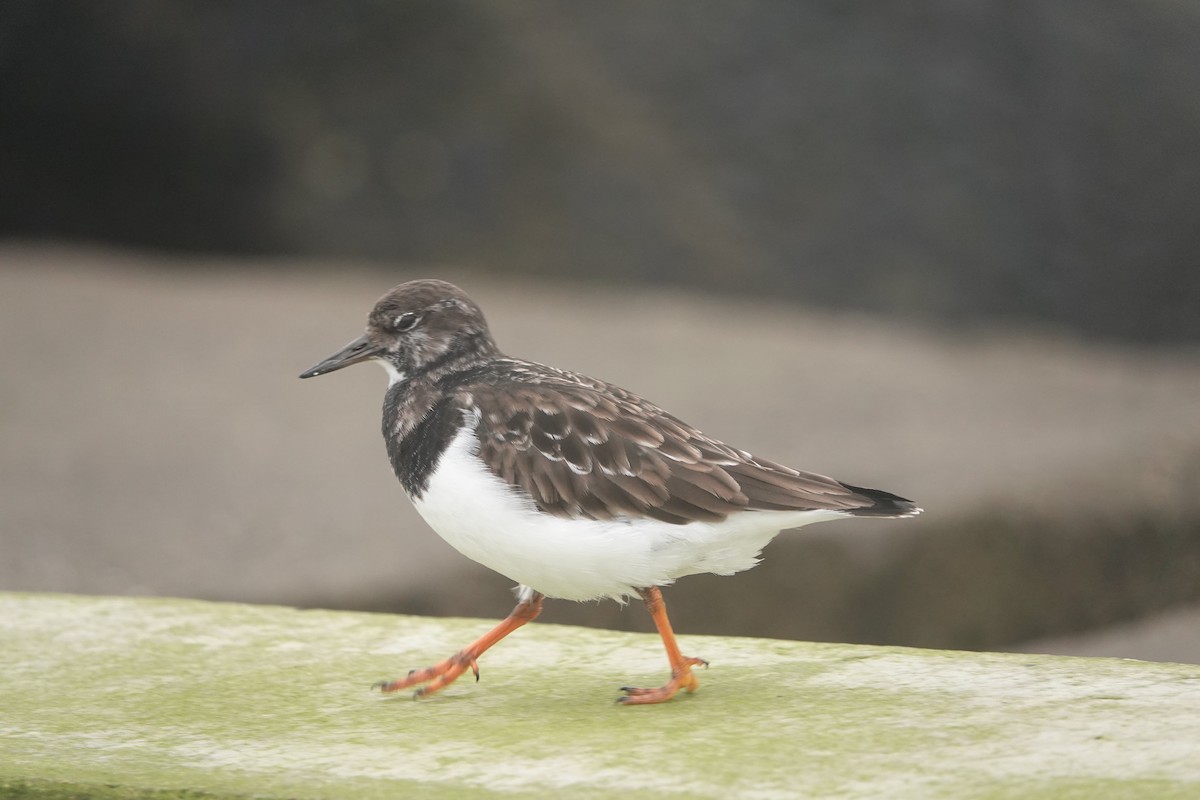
[(444, 673), (681, 665)]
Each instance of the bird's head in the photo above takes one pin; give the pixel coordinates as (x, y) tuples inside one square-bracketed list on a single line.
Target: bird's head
[(415, 328)]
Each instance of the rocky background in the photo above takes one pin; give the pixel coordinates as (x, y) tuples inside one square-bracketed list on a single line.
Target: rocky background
[(948, 249)]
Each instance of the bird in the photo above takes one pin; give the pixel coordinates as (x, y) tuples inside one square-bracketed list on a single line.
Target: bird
[(572, 487)]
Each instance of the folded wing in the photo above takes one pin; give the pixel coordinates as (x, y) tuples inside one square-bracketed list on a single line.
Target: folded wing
[(583, 449)]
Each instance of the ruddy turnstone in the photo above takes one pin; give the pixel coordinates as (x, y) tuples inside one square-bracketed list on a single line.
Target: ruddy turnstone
[(570, 486)]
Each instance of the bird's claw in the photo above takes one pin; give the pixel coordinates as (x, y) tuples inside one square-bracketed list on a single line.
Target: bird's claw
[(681, 678), (434, 678)]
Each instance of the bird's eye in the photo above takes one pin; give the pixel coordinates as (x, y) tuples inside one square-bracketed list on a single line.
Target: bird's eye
[(406, 321)]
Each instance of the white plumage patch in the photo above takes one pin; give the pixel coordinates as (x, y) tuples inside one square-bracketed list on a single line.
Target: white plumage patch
[(498, 526), (394, 375)]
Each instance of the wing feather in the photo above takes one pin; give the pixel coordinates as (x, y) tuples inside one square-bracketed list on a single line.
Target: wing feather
[(584, 449)]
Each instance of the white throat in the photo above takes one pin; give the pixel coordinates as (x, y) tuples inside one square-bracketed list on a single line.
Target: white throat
[(394, 375)]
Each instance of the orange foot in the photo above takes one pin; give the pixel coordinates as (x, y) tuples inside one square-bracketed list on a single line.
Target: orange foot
[(436, 677), (682, 677), (441, 675)]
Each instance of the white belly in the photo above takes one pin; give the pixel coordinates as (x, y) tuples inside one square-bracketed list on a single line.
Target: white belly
[(485, 520)]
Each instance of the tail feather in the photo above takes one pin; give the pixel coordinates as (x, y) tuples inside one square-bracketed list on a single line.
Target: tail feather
[(883, 504)]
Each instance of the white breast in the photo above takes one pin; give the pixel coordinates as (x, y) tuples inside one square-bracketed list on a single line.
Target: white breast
[(483, 518)]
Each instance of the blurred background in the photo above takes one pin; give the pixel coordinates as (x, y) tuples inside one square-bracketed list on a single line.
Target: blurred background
[(949, 249)]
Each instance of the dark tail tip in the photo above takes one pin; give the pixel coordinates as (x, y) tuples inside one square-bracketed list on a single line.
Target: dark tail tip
[(883, 504)]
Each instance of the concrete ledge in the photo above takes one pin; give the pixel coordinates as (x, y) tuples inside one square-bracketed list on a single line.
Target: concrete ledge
[(123, 698)]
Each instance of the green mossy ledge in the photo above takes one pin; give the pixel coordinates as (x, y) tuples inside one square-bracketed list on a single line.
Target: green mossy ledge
[(128, 698)]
